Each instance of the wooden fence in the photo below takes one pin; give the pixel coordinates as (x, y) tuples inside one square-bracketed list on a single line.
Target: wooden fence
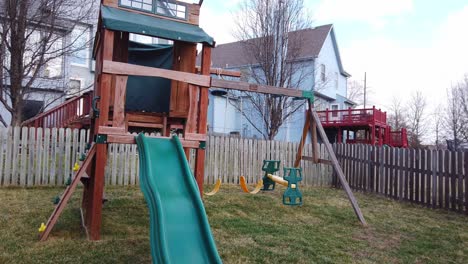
[(436, 179), (36, 157)]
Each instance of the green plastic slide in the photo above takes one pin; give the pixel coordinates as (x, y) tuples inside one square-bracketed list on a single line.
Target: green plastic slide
[(179, 228)]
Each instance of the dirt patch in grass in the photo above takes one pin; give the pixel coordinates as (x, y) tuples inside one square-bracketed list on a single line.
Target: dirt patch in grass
[(247, 229)]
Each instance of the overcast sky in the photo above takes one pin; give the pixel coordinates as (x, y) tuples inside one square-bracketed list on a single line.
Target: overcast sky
[(403, 45)]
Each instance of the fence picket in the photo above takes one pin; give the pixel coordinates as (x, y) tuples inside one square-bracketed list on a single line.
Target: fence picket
[(8, 157), (459, 175), (447, 180), (465, 176), (48, 152), (440, 168), (3, 142), (15, 156), (22, 156)]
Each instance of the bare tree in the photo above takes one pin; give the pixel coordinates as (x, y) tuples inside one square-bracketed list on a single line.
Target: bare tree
[(455, 120), (416, 119), (266, 29), (35, 37), (438, 118), (462, 88), (396, 117), (355, 91)]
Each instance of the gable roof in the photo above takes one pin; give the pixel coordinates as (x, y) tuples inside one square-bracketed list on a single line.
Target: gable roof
[(232, 55)]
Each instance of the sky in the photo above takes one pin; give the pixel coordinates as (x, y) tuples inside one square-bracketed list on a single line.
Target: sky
[(403, 45)]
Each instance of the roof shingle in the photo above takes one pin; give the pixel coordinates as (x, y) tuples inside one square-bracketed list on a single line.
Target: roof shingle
[(231, 55)]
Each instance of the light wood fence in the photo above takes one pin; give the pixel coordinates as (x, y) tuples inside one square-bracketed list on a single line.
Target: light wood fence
[(45, 157)]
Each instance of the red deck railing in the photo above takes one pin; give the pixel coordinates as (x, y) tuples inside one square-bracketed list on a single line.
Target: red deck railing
[(63, 115), (398, 139), (352, 117)]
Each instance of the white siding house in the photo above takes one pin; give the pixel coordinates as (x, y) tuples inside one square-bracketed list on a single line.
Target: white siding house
[(328, 81)]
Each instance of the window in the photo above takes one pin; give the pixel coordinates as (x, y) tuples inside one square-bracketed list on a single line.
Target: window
[(335, 109), (146, 5), (169, 8), (74, 86), (53, 68), (51, 47), (80, 39), (323, 73)]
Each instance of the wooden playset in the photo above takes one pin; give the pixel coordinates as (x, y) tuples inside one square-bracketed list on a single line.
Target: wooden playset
[(179, 104)]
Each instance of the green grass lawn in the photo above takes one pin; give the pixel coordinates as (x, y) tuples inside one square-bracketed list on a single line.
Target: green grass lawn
[(247, 229)]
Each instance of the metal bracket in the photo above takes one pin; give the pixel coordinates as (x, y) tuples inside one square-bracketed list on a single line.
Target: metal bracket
[(100, 139), (202, 145), (308, 95)]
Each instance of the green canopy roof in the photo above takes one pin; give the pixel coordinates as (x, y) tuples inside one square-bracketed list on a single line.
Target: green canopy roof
[(121, 20)]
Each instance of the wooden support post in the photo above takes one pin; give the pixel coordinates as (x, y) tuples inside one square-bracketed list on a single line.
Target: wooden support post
[(118, 116), (94, 190), (94, 207), (337, 166), (202, 118), (300, 150), (315, 146)]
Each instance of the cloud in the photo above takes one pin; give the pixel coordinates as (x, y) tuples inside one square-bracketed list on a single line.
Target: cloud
[(395, 68), (376, 13), (218, 24), (451, 45)]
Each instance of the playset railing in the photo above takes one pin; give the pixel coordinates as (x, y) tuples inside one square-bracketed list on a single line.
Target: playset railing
[(352, 116), (63, 115), (398, 139)]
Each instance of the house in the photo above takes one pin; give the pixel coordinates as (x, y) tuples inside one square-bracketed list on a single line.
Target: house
[(67, 73), (327, 78)]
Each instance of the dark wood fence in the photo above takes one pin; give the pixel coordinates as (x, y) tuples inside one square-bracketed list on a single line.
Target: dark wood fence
[(433, 178)]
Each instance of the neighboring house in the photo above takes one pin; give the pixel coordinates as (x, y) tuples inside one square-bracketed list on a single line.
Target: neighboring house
[(64, 76), (80, 64), (328, 80)]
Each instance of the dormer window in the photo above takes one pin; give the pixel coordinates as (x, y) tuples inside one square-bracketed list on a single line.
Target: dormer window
[(169, 8)]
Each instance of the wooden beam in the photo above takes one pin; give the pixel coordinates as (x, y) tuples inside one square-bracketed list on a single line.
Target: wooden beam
[(94, 190), (120, 68), (130, 139), (191, 125), (144, 117), (222, 72), (149, 125), (111, 130), (199, 170), (336, 166), (300, 149), (315, 146), (195, 136), (94, 208), (118, 116), (322, 161), (248, 87)]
